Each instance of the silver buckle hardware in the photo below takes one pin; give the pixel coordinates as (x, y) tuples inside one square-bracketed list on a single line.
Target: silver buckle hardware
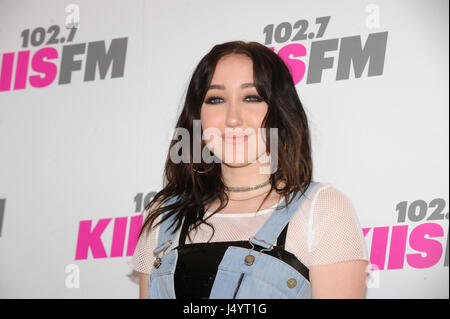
[(158, 261), (250, 259)]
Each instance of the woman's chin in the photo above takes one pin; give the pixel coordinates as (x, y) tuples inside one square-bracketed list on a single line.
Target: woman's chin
[(240, 161), (236, 164)]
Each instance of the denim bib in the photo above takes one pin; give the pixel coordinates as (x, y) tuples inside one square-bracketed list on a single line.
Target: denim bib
[(244, 271)]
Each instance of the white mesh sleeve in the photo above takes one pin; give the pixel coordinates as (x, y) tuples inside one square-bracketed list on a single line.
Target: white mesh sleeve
[(336, 233), (143, 258)]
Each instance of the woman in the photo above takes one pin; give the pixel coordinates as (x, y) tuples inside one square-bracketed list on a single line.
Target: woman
[(250, 223)]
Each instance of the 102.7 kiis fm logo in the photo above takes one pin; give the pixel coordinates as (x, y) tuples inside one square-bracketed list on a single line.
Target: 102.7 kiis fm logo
[(53, 63), (346, 54)]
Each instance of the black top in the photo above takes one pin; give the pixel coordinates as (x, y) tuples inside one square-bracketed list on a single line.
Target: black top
[(197, 263)]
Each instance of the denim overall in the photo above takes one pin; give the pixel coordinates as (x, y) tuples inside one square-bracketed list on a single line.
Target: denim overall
[(256, 269)]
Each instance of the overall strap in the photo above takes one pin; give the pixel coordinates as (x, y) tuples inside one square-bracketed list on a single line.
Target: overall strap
[(183, 234), (281, 240), (165, 237), (277, 222)]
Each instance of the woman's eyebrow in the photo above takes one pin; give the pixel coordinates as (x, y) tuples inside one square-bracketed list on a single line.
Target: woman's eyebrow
[(222, 87)]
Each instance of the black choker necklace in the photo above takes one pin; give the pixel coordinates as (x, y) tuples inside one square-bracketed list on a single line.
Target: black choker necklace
[(246, 188)]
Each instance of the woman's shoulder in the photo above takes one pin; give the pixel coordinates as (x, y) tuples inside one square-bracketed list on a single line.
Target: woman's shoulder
[(331, 207), (327, 195), (325, 198)]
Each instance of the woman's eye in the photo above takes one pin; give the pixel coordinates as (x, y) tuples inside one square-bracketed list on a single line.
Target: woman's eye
[(255, 98), (250, 98), (211, 99)]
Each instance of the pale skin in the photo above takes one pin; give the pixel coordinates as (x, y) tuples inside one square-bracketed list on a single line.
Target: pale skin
[(233, 103)]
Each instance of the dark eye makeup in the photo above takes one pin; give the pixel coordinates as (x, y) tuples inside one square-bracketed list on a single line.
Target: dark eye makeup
[(254, 99)]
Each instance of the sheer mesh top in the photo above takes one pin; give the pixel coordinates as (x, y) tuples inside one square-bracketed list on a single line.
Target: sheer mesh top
[(325, 230)]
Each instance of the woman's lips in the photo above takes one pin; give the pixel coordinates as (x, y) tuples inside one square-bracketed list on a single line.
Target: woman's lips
[(234, 138)]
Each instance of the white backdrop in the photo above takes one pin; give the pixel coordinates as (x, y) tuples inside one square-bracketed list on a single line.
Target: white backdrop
[(77, 159)]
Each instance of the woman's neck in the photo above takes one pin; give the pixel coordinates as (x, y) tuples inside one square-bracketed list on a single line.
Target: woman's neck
[(247, 175)]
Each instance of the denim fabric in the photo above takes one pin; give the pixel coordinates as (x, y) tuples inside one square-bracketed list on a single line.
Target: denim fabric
[(161, 279), (267, 278)]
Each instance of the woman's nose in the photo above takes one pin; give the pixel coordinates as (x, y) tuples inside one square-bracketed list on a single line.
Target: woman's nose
[(234, 114)]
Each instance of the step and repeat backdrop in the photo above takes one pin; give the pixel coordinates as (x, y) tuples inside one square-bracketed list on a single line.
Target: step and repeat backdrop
[(89, 96)]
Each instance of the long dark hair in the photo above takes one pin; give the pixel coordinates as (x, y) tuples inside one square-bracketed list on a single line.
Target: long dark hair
[(190, 191)]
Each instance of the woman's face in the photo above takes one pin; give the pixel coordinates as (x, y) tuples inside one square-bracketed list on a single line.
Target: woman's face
[(232, 112)]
